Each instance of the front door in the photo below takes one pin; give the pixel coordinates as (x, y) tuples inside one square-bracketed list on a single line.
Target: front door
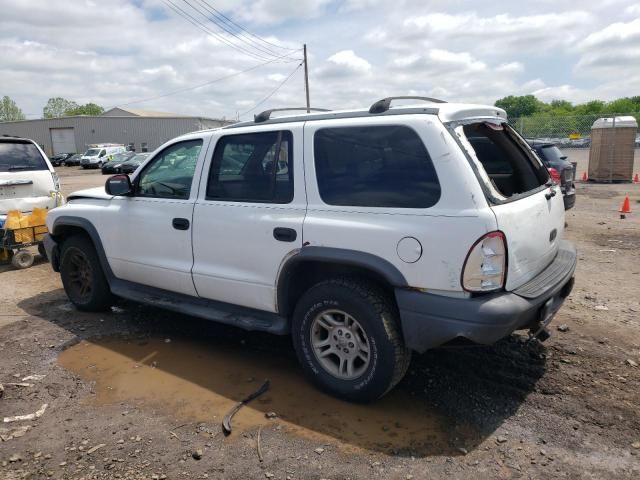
[(151, 243), (249, 214)]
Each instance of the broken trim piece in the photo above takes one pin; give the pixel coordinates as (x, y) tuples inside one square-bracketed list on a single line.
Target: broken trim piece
[(226, 422)]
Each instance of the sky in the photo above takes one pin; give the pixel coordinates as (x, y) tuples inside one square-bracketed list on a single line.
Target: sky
[(143, 54)]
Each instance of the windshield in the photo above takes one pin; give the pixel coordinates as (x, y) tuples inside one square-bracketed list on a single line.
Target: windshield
[(139, 158), (120, 157), (92, 152), (20, 157)]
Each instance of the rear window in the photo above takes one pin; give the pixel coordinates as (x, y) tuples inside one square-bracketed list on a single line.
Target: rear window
[(509, 165), (553, 154), (374, 166), (20, 157)]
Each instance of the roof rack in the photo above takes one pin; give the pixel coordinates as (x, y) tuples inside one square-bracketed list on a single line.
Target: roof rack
[(383, 105), (266, 115)]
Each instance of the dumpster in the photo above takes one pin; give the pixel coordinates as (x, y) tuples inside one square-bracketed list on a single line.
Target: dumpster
[(612, 149)]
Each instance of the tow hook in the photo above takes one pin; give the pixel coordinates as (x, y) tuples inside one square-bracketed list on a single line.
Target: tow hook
[(542, 334)]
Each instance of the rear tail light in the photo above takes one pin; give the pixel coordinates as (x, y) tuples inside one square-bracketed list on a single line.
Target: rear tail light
[(554, 174), (485, 267)]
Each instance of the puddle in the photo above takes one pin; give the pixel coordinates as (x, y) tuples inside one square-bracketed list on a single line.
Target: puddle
[(202, 381)]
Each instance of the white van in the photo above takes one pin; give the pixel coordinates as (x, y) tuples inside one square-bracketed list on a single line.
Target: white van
[(97, 155), (27, 179)]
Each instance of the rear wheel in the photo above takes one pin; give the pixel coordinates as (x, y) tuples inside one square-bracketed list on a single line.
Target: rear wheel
[(82, 275), (22, 259), (347, 339)]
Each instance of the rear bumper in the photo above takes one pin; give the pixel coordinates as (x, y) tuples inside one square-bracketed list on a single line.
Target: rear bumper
[(569, 199), (431, 320)]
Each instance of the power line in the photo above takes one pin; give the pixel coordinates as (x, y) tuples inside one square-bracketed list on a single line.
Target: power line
[(194, 87), (210, 14), (205, 29), (273, 92), (240, 27)]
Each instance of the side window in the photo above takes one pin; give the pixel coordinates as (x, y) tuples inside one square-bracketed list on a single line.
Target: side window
[(170, 174), (377, 166), (253, 167)]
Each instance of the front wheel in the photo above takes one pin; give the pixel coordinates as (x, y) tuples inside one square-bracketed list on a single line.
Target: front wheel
[(82, 275), (347, 339)]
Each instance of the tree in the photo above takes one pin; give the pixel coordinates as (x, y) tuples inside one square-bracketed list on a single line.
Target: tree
[(57, 107), (9, 111), (591, 107), (87, 109), (520, 106)]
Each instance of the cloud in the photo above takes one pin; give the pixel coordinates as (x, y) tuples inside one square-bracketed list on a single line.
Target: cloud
[(344, 64), (618, 33), (611, 51), (511, 67), (500, 33), (351, 61), (116, 51)]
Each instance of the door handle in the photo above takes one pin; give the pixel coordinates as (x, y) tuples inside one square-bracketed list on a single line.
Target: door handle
[(180, 223), (285, 234)]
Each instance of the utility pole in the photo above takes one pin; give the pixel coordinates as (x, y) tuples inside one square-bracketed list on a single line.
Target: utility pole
[(306, 78)]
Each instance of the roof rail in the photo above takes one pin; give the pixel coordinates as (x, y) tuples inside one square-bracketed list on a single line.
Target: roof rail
[(266, 115), (384, 104)]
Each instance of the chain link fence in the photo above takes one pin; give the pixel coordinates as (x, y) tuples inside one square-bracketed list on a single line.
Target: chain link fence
[(566, 131), (610, 153)]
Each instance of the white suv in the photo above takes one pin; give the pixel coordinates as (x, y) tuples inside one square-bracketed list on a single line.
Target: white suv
[(364, 234), (27, 179)]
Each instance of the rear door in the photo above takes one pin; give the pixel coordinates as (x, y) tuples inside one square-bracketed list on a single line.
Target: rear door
[(529, 209), (249, 214)]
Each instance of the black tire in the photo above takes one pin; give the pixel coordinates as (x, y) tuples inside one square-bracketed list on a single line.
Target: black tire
[(22, 259), (82, 275), (377, 315), (42, 251)]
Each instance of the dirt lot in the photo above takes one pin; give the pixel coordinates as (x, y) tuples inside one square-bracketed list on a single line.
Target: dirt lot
[(140, 393)]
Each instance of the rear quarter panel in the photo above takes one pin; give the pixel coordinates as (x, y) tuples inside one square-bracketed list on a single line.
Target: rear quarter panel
[(445, 231)]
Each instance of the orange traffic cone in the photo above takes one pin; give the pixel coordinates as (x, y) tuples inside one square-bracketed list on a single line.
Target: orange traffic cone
[(636, 179), (625, 208), (585, 179)]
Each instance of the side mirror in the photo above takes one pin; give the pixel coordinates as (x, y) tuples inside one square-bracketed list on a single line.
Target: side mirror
[(119, 185)]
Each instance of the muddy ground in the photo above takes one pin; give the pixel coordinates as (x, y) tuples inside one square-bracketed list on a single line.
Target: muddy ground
[(140, 393)]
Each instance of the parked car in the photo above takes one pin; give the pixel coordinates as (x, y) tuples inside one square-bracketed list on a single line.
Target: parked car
[(380, 232), (59, 159), (98, 155), (27, 178), (131, 165), (112, 166), (73, 160), (560, 169)]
